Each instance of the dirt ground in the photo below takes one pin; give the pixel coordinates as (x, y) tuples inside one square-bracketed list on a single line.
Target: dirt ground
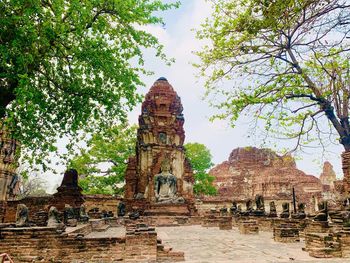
[(207, 245)]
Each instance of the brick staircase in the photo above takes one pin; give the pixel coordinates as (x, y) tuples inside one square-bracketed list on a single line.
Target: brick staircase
[(166, 254)]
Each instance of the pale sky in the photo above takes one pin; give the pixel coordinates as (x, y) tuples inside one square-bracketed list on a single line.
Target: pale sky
[(179, 40)]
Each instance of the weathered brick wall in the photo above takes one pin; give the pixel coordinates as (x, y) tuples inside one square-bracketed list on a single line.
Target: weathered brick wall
[(250, 171), (141, 244), (225, 223), (103, 202), (205, 206), (34, 204), (43, 203), (42, 244)]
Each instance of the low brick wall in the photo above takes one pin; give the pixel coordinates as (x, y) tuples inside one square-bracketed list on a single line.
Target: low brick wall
[(102, 202), (42, 203), (34, 204), (205, 206), (225, 223), (210, 221), (43, 244), (166, 220), (141, 244)]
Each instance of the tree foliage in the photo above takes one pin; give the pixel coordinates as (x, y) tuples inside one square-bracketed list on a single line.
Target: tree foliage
[(286, 62), (71, 65), (201, 161), (101, 167)]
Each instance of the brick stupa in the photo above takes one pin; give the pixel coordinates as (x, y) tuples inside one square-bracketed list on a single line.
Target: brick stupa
[(159, 179), (69, 192)]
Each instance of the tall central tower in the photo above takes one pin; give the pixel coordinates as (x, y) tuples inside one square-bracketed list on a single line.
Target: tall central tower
[(160, 173)]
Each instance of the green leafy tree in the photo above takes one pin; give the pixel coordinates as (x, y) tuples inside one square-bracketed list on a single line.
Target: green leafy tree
[(101, 167), (200, 159), (285, 62), (72, 65)]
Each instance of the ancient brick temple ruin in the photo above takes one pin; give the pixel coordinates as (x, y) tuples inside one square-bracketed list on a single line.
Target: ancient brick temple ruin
[(70, 227), (255, 195), (159, 179), (250, 171)]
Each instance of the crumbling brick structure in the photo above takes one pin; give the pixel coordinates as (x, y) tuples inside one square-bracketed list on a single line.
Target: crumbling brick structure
[(251, 171), (160, 155), (48, 244)]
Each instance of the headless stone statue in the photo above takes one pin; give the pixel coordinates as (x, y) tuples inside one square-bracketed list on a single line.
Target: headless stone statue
[(54, 219), (121, 209), (322, 214), (249, 208), (234, 208), (135, 214), (22, 218), (69, 217), (301, 212), (83, 217), (165, 185), (273, 210), (260, 206), (223, 211), (346, 204), (285, 210)]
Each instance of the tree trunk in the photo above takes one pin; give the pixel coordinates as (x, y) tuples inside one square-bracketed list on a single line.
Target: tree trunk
[(345, 156), (7, 95)]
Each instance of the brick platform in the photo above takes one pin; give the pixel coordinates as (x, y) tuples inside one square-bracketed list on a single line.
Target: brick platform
[(248, 226), (225, 223), (80, 244), (320, 242), (286, 234)]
